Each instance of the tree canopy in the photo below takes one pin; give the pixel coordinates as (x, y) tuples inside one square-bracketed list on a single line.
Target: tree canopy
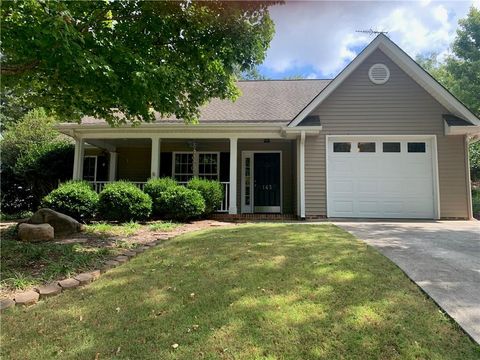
[(460, 72), (122, 60)]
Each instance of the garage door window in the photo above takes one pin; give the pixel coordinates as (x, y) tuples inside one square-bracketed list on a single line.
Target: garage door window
[(368, 147), (391, 147), (343, 147), (416, 147)]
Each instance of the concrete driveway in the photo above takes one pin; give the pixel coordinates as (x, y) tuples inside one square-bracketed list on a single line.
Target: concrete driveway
[(442, 257)]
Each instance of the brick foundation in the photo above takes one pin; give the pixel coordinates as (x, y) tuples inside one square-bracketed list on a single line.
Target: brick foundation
[(253, 217)]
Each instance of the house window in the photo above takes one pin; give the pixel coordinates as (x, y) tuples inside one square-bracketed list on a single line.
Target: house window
[(341, 147), (204, 165), (366, 147), (183, 166), (416, 147), (391, 147), (90, 168), (208, 166)]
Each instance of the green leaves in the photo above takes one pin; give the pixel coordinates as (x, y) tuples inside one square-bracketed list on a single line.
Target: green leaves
[(87, 58)]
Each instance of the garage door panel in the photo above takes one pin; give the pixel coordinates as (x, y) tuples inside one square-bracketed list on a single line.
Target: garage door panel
[(342, 167), (365, 166), (393, 208), (380, 185), (367, 186), (368, 208), (389, 187), (344, 207), (343, 187)]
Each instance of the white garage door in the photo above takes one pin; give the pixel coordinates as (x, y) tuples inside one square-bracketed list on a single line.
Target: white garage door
[(380, 178)]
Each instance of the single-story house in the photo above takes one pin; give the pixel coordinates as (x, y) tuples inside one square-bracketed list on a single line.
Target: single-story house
[(382, 139)]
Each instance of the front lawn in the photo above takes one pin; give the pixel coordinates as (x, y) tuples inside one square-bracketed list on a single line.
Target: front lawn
[(246, 292)]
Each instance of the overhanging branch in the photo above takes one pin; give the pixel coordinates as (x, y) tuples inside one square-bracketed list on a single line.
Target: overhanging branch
[(18, 69)]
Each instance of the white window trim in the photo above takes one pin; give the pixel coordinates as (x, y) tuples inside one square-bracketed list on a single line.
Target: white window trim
[(196, 163), (95, 169)]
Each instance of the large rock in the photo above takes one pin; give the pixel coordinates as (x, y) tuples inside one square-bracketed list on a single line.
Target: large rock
[(63, 224), (35, 232)]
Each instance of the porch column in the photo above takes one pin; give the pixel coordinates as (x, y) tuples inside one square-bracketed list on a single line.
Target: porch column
[(232, 209), (112, 165), (155, 156), (78, 159), (302, 175)]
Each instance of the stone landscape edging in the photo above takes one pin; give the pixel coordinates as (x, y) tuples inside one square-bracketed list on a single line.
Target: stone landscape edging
[(31, 297)]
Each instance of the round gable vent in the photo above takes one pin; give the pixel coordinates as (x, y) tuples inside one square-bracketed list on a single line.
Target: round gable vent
[(379, 74)]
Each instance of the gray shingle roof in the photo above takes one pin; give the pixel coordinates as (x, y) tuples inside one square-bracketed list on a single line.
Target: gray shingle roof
[(260, 102), (453, 120)]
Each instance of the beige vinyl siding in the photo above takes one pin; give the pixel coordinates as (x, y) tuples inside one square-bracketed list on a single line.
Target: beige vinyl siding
[(133, 163), (399, 107)]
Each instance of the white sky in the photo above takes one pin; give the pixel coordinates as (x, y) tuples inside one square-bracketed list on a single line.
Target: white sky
[(317, 38)]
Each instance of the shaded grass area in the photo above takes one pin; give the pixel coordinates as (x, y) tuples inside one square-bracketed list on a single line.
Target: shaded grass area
[(26, 264), (248, 292), (107, 229), (127, 229)]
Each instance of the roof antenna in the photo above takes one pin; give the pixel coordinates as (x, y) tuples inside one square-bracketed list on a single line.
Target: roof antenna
[(372, 32)]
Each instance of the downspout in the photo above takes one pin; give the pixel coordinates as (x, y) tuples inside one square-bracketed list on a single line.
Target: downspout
[(302, 175), (468, 179)]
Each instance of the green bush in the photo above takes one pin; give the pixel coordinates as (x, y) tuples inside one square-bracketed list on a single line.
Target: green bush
[(154, 188), (476, 202), (123, 201), (211, 191), (182, 203), (73, 198), (34, 160)]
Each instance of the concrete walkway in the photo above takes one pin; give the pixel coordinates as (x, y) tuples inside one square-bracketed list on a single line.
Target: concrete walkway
[(442, 257)]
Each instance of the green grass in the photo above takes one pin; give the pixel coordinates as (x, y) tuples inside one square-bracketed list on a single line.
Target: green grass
[(106, 229), (476, 201), (26, 264), (247, 292), (163, 226)]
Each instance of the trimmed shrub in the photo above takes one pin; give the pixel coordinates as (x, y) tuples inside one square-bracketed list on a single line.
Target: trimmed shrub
[(73, 198), (182, 203), (154, 188), (211, 191), (123, 201)]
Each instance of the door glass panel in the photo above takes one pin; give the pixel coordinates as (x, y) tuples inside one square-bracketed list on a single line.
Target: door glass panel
[(247, 181), (416, 147), (183, 168), (341, 146), (391, 147), (366, 147)]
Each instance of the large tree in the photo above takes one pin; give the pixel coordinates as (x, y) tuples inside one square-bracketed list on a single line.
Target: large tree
[(88, 57), (460, 73), (464, 66)]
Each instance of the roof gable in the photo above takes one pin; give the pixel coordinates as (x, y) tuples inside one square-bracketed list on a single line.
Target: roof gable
[(408, 65)]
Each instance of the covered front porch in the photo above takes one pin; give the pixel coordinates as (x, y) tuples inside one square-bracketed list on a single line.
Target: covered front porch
[(262, 173)]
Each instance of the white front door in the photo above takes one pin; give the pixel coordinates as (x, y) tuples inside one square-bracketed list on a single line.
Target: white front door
[(374, 177)]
